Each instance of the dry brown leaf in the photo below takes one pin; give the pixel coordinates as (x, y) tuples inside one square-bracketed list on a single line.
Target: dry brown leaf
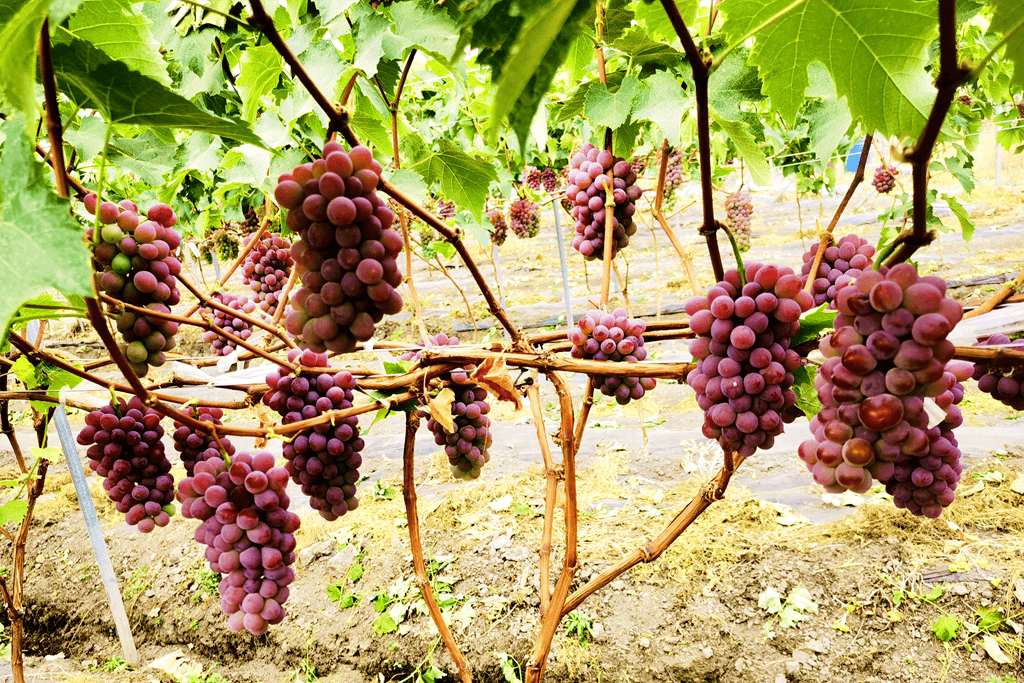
[(441, 409), (495, 378)]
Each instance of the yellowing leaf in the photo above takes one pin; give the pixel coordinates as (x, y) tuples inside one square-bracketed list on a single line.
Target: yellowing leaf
[(441, 409), (493, 376), (991, 646)]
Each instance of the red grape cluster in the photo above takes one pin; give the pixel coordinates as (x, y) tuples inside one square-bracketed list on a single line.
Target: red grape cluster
[(549, 180), (592, 172), (467, 446), (125, 448), (223, 346), (325, 458), (1003, 383), (745, 367), (347, 250), (613, 336), (138, 266), (194, 446), (524, 218), (738, 209), (248, 532), (673, 175), (885, 179), (499, 228), (888, 365), (266, 270), (638, 165), (840, 264), (531, 178)]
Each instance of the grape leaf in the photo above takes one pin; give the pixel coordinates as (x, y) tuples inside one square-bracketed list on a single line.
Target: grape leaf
[(605, 108), (746, 145), (440, 408), (966, 224), (812, 323), (40, 244), (19, 36), (616, 21), (369, 39), (13, 511), (126, 96), (874, 49), (945, 628), (1008, 20), (115, 28), (642, 50), (463, 178), (577, 62), (259, 69), (991, 646), (806, 394), (828, 120), (426, 26), (659, 26), (493, 376)]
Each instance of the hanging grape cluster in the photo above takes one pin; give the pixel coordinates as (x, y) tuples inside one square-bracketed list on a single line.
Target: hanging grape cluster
[(745, 367), (524, 218), (549, 180), (592, 172), (222, 346), (738, 209), (266, 269), (889, 391), (499, 228), (325, 458), (1005, 383), (248, 532), (885, 179), (674, 176), (347, 250), (468, 444), (531, 178), (136, 264), (194, 446), (840, 264), (125, 448), (615, 337)]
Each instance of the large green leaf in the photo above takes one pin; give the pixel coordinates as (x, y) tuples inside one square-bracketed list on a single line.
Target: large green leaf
[(828, 120), (115, 28), (1008, 20), (40, 244), (606, 108), (126, 96), (259, 69), (426, 26), (874, 49), (463, 179), (19, 37), (642, 50), (746, 145), (663, 102)]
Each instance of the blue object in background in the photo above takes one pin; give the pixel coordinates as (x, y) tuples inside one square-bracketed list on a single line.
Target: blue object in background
[(853, 158)]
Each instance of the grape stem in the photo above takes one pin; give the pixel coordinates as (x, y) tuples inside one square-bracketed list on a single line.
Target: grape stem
[(550, 494), (5, 423), (659, 215), (999, 297), (740, 268), (54, 130)]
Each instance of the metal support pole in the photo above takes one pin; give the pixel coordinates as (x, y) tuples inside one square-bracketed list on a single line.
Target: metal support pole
[(566, 295)]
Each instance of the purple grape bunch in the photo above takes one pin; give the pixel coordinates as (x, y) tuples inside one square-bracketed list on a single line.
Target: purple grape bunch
[(889, 392), (347, 250), (531, 177), (222, 346), (885, 179), (840, 264), (744, 373), (467, 447), (266, 269), (323, 459), (1003, 383), (125, 448), (249, 535), (738, 209), (592, 171), (674, 176), (615, 337), (499, 228), (136, 264), (524, 218), (194, 446), (549, 180)]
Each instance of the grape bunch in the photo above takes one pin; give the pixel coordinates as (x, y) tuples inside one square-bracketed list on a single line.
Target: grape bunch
[(673, 175), (613, 336), (531, 178), (638, 166), (524, 218), (738, 209), (223, 346), (549, 180), (745, 367), (467, 446), (499, 228), (248, 532), (125, 448), (195, 446), (840, 264), (266, 269), (347, 251), (592, 171), (885, 179), (1003, 383), (323, 459), (889, 392), (136, 264)]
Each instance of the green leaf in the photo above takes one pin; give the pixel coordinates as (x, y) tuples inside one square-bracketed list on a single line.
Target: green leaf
[(334, 592), (966, 224), (25, 372), (746, 145), (638, 46), (616, 21), (581, 55), (355, 572), (813, 323), (13, 511), (806, 394), (662, 102), (259, 69), (426, 26), (1008, 20), (945, 628), (463, 179), (371, 30), (800, 598), (411, 184), (40, 244), (126, 96), (854, 40), (932, 595), (770, 600), (384, 624), (659, 26), (988, 619), (605, 108), (398, 367), (19, 40), (991, 646), (829, 119), (115, 28)]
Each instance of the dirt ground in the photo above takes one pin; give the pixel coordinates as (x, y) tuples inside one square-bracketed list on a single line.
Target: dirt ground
[(775, 583)]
